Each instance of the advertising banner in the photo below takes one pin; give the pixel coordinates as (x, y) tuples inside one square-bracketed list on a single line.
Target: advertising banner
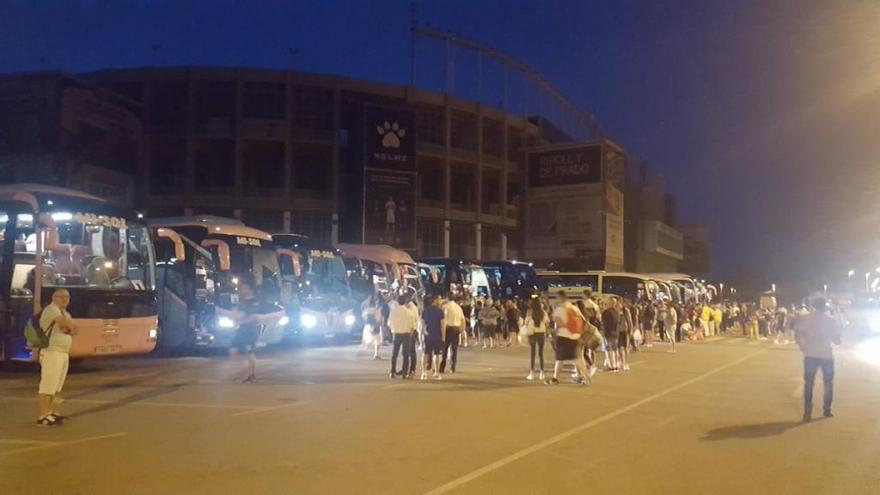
[(389, 215), (562, 167), (389, 139), (663, 239), (564, 227), (613, 242)]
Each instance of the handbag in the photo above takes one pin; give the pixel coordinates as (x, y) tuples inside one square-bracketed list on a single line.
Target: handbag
[(637, 336)]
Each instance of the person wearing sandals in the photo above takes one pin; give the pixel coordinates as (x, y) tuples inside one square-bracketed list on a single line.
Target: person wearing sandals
[(55, 358), (537, 322)]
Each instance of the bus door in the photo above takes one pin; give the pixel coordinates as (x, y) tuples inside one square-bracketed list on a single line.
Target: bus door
[(171, 288)]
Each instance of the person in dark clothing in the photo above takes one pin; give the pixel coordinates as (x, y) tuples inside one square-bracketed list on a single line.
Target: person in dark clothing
[(435, 336), (248, 333), (815, 335), (610, 322)]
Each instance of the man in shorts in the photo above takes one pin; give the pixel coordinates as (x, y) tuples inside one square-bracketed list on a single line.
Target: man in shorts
[(54, 359), (248, 333), (610, 321), (435, 335)]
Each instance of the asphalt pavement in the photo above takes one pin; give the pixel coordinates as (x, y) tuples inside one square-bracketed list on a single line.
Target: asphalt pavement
[(721, 416)]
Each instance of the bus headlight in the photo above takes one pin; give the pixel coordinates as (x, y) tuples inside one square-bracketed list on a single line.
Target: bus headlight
[(349, 320), (225, 322), (308, 321), (283, 321)]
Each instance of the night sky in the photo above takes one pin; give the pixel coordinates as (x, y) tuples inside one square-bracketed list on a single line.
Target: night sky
[(763, 116)]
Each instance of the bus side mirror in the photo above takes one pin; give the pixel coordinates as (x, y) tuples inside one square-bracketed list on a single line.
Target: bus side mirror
[(222, 252), (174, 237)]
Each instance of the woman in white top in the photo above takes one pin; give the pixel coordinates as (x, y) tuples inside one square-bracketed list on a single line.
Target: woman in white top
[(537, 321)]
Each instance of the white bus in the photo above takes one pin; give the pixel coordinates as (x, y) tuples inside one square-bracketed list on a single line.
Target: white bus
[(603, 284)]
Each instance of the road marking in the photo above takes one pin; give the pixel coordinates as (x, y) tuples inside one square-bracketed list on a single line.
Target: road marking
[(271, 408), (136, 403), (61, 444), (16, 441), (578, 429)]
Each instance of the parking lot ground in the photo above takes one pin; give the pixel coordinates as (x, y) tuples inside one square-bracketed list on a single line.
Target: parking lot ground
[(721, 416)]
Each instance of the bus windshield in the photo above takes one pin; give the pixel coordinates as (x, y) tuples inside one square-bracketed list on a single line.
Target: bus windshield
[(260, 264), (94, 251), (558, 280), (624, 286), (325, 272)]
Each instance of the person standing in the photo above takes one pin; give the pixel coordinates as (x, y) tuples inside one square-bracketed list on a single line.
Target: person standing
[(815, 335), (570, 325), (403, 323), (671, 326), (511, 322), (413, 341), (649, 320), (467, 310), (610, 322), (489, 316), (248, 333), (54, 359), (454, 328), (624, 330), (706, 316), (537, 323), (372, 317), (435, 335)]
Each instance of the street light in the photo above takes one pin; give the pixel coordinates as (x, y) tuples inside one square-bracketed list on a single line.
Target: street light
[(773, 288)]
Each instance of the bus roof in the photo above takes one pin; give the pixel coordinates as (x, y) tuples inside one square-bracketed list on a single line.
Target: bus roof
[(21, 192), (640, 276), (213, 224), (672, 276), (377, 253)]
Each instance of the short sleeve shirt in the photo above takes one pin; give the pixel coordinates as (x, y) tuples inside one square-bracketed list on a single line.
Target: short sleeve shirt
[(58, 340), (433, 316)]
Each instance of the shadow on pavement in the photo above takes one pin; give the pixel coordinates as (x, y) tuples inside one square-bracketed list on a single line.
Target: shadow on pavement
[(761, 430), (131, 399)]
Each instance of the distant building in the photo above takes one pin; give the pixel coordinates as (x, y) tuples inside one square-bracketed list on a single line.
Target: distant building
[(63, 130), (287, 151), (654, 243), (697, 247)]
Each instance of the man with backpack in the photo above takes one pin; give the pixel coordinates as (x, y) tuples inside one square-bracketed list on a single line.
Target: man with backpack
[(570, 325), (52, 348)]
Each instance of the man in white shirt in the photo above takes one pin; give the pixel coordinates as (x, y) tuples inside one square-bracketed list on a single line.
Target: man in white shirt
[(816, 335), (454, 326), (54, 359), (567, 342), (402, 322)]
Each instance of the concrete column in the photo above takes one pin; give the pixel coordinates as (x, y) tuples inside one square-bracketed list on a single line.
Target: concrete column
[(334, 229), (478, 228), (190, 135), (239, 142), (446, 232), (503, 246), (447, 161), (288, 147), (286, 221)]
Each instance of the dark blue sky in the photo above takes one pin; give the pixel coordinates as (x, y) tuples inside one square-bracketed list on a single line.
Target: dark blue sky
[(763, 116)]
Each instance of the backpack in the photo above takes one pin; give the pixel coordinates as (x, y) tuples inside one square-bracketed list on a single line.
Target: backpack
[(575, 321), (36, 337)]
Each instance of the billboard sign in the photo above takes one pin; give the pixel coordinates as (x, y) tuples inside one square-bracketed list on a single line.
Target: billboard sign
[(579, 164), (389, 139), (389, 213)]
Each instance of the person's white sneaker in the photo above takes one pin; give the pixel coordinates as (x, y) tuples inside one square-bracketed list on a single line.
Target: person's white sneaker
[(592, 371), (626, 367), (542, 376), (424, 376), (485, 346), (438, 376), (531, 376)]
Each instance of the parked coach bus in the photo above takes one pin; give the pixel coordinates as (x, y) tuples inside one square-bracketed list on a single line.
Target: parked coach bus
[(102, 255), (201, 260), (512, 279), (454, 277), (603, 284), (317, 295)]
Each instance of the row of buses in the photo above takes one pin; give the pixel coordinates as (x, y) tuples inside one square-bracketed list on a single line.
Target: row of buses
[(172, 283)]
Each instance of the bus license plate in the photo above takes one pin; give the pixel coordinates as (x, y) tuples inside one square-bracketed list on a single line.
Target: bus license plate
[(107, 349)]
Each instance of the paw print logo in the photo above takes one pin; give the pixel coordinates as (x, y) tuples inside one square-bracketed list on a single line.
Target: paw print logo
[(391, 134)]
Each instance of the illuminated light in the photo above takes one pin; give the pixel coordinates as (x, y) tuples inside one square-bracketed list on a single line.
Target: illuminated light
[(50, 203), (153, 334), (235, 280), (225, 322), (869, 351), (308, 321), (284, 320), (63, 216), (108, 264), (26, 217), (140, 215), (217, 229), (349, 320)]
